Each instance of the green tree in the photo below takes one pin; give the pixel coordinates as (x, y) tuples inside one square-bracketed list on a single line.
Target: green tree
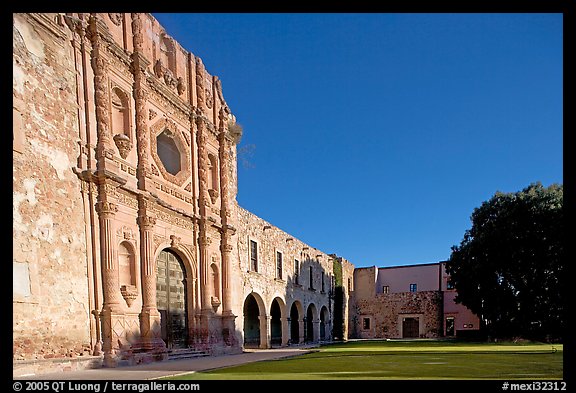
[(509, 268)]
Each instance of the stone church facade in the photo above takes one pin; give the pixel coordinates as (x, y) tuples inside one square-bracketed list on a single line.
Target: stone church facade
[(128, 242)]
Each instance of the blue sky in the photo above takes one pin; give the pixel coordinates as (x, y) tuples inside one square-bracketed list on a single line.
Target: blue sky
[(374, 136)]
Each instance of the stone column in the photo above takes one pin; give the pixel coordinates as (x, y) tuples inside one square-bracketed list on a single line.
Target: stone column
[(150, 328), (265, 330), (112, 327), (204, 240), (285, 331), (315, 330), (104, 145), (301, 332), (139, 65)]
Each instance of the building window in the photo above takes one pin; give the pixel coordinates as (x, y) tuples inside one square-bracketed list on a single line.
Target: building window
[(413, 288), (385, 289), (311, 278), (449, 284), (366, 323), (296, 270), (322, 283), (168, 152), (253, 256), (278, 265)]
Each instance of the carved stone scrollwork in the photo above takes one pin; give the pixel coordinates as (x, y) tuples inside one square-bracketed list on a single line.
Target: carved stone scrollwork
[(77, 25), (209, 99), (163, 72), (146, 222), (200, 82), (205, 241), (151, 114), (180, 86), (174, 241), (123, 144), (226, 248), (106, 208), (129, 293), (115, 17), (213, 195)]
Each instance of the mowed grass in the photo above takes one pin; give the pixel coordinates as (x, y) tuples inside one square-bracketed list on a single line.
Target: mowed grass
[(405, 360)]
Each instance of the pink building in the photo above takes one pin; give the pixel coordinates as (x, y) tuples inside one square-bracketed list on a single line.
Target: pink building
[(408, 301)]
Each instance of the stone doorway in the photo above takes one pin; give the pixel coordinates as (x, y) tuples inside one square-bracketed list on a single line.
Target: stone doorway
[(410, 327), (171, 299), (294, 324), (251, 322), (275, 324)]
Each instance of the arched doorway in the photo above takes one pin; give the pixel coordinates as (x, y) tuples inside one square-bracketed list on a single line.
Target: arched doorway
[(324, 333), (294, 324), (251, 322), (275, 323), (310, 316), (171, 299)]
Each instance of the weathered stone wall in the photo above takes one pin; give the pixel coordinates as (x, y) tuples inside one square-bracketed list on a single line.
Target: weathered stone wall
[(386, 311), (265, 284), (50, 287)]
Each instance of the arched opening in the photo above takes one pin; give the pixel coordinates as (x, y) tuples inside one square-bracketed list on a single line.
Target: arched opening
[(171, 301), (324, 324), (310, 317), (120, 112), (215, 278), (251, 322), (294, 324), (126, 264), (275, 323)]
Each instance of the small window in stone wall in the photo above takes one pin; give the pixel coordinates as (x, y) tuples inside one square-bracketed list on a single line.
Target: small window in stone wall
[(366, 323), (296, 270), (278, 265), (168, 152), (385, 289), (413, 287)]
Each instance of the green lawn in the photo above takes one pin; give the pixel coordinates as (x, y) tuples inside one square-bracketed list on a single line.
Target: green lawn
[(406, 360)]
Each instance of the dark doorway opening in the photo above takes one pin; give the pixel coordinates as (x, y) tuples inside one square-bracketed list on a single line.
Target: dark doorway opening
[(171, 299)]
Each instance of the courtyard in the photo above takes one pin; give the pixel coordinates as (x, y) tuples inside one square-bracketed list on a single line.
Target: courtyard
[(405, 360)]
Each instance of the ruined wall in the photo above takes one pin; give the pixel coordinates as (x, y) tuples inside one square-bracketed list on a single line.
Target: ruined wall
[(50, 287), (387, 311)]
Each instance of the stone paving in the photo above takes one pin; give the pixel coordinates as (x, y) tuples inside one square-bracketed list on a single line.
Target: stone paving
[(173, 367)]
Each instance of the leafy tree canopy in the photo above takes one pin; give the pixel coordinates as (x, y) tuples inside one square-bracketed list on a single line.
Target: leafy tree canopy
[(509, 268)]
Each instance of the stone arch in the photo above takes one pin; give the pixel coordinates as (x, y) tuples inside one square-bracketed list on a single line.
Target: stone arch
[(172, 290), (296, 322), (324, 324), (277, 322), (311, 335), (120, 108), (255, 329)]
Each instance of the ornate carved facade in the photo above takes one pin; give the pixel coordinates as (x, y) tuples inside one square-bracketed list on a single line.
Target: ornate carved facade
[(129, 243)]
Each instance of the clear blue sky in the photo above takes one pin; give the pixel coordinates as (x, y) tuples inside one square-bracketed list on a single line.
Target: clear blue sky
[(374, 136)]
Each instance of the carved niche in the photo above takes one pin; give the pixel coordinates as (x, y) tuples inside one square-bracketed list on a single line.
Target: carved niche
[(120, 116)]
